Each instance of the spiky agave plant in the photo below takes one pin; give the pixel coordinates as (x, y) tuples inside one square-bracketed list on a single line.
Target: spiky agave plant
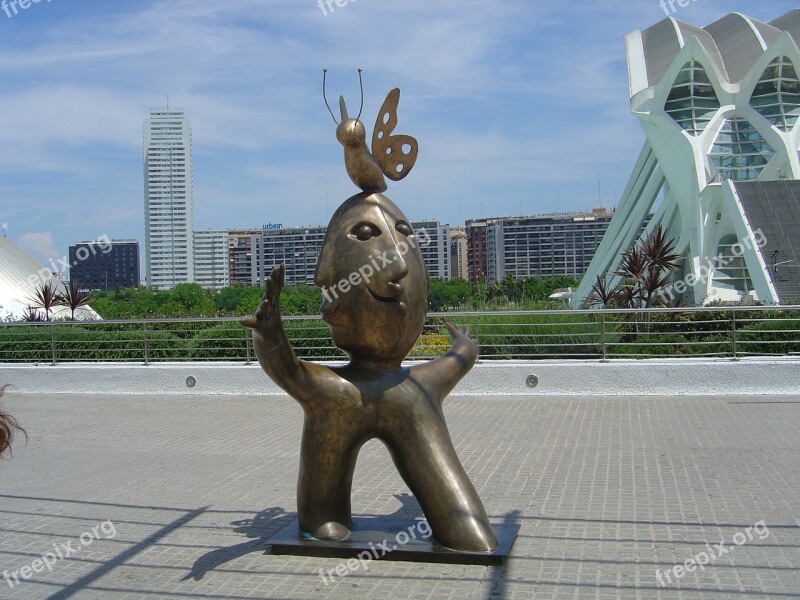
[(47, 298), (73, 298), (602, 293), (8, 428), (31, 315)]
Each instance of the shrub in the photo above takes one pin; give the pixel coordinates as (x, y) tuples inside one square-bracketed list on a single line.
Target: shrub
[(224, 341), (775, 336)]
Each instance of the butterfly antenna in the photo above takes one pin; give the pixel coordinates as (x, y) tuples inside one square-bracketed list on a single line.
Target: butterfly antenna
[(361, 85), (324, 74)]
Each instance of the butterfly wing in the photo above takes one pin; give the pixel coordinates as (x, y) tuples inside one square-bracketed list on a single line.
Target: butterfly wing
[(396, 154)]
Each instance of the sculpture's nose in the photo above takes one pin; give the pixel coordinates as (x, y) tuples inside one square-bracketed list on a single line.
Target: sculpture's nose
[(398, 267)]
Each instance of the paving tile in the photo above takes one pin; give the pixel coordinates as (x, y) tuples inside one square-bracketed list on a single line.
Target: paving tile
[(612, 494)]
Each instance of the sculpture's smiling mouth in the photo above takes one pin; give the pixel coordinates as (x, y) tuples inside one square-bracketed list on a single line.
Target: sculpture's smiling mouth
[(388, 299), (395, 290)]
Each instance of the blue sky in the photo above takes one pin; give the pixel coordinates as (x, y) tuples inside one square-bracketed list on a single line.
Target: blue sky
[(519, 107)]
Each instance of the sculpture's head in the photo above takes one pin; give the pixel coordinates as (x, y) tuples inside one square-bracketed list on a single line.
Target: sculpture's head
[(373, 280)]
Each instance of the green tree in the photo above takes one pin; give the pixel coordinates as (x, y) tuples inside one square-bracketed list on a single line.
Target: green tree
[(192, 300)]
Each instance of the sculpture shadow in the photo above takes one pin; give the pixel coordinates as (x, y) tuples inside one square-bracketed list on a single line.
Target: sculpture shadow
[(269, 521), (264, 524)]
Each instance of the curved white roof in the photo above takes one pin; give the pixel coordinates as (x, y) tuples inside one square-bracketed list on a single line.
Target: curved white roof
[(20, 276), (734, 42)]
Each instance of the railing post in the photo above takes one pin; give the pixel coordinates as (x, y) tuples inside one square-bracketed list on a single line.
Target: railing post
[(478, 334), (733, 334), (144, 336), (603, 338), (53, 343), (247, 333)]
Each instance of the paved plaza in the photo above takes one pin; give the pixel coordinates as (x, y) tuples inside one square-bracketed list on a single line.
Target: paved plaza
[(143, 497)]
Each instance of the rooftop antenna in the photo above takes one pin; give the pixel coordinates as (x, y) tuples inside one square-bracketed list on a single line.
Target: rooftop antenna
[(167, 100), (5, 229)]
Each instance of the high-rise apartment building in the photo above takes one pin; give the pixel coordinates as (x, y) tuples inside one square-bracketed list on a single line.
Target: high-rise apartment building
[(543, 245), (476, 249), (168, 199), (296, 247), (241, 243), (211, 258), (459, 260), (434, 245)]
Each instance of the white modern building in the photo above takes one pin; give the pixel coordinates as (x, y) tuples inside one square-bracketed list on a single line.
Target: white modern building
[(21, 276), (168, 199), (211, 258), (719, 106), (434, 245)]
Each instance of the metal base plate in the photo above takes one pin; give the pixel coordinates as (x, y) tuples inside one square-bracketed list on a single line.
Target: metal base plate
[(379, 537)]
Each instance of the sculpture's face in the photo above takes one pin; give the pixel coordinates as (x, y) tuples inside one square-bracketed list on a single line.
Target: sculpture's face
[(373, 280)]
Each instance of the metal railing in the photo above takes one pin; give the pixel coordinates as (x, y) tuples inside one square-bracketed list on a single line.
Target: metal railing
[(727, 332)]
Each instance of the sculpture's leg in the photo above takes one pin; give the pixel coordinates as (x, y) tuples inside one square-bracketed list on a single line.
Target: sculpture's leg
[(327, 461), (430, 467)]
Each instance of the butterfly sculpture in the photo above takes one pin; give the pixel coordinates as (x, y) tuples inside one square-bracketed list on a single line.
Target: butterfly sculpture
[(392, 155)]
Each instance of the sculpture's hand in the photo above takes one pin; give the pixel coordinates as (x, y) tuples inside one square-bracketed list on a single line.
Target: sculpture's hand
[(268, 314), (462, 343)]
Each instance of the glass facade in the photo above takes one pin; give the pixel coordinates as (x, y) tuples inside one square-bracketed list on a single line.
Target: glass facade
[(777, 94), (740, 152), (105, 265), (730, 271), (692, 101)]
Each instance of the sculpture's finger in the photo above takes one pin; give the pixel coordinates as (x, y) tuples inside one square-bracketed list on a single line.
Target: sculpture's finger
[(281, 274), (249, 322), (269, 294), (455, 332)]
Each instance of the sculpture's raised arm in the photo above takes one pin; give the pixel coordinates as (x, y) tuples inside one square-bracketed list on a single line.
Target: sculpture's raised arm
[(273, 349), (442, 374)]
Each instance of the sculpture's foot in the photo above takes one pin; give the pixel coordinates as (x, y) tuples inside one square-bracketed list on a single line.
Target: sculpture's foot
[(331, 531), (470, 534)]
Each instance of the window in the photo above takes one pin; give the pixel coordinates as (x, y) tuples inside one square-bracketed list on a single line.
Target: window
[(777, 94), (740, 152), (692, 101), (730, 269)]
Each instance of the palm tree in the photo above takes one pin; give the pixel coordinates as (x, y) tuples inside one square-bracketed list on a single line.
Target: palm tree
[(73, 297), (46, 297)]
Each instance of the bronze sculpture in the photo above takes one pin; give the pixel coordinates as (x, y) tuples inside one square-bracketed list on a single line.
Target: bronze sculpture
[(375, 289)]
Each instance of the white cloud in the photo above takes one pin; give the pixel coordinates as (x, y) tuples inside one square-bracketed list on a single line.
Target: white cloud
[(41, 246), (510, 101)]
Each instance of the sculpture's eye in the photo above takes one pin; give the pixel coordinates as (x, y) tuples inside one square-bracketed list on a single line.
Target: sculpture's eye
[(404, 228), (365, 231)]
